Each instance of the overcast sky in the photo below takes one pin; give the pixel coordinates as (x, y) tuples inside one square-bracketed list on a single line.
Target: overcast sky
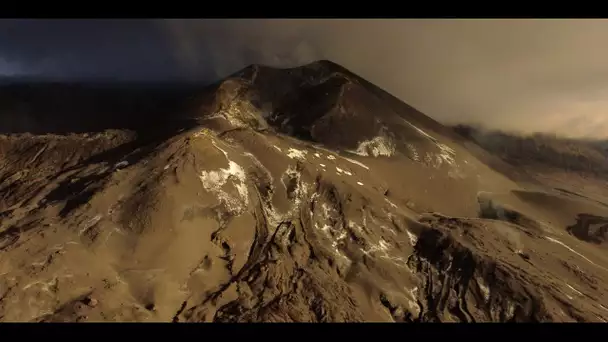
[(527, 75)]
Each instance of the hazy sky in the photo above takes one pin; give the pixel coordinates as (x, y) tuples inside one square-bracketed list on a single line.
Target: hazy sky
[(527, 75)]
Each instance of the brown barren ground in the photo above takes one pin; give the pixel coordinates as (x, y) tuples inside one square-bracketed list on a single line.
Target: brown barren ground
[(297, 195)]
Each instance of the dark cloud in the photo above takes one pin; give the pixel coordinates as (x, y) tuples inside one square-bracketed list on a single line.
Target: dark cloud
[(527, 75), (67, 49)]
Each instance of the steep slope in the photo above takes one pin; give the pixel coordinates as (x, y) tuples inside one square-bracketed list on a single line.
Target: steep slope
[(331, 108), (303, 194)]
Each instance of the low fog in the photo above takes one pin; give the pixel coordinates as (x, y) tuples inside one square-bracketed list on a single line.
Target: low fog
[(523, 75)]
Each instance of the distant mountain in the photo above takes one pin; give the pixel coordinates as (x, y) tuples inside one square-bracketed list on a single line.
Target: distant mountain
[(543, 150)]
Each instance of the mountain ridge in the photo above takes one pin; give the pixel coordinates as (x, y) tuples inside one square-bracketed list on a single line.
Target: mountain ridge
[(285, 195)]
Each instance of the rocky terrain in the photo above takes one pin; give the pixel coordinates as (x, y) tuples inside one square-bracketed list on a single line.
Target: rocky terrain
[(284, 195)]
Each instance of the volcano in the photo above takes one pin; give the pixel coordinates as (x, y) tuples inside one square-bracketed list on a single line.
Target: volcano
[(281, 195)]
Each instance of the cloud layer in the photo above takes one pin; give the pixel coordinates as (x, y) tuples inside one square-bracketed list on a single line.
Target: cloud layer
[(524, 75)]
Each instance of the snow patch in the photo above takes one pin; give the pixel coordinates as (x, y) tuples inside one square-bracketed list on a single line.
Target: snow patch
[(339, 170), (354, 226), (339, 239), (382, 246), (485, 290), (326, 210), (242, 190), (90, 223), (214, 181), (378, 146), (219, 148), (391, 203), (413, 152), (325, 228), (330, 157), (236, 114), (204, 131), (293, 173), (381, 249), (436, 160), (574, 290), (228, 116), (356, 163), (296, 154), (447, 154), (423, 133), (413, 238), (277, 148), (359, 183), (297, 196), (334, 234)]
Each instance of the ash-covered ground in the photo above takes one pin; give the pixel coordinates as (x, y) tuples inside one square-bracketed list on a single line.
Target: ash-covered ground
[(284, 195)]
